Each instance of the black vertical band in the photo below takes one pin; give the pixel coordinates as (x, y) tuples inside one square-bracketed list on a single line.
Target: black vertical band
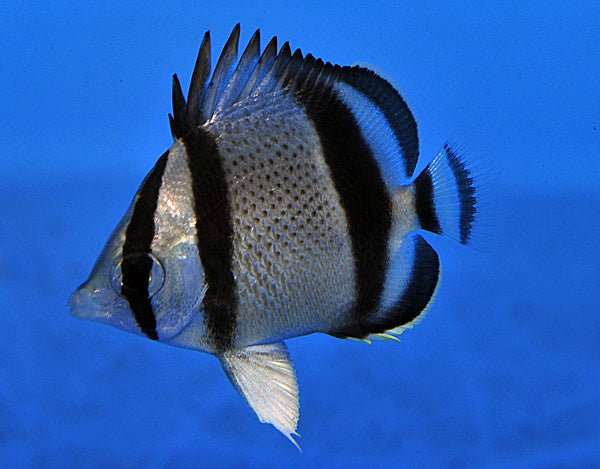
[(466, 193), (214, 232), (363, 195), (137, 264), (424, 203)]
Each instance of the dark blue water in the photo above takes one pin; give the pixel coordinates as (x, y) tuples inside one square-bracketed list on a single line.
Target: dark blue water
[(503, 372)]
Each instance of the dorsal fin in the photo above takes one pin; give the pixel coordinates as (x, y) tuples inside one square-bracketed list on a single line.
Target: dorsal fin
[(382, 115), (242, 73), (395, 110), (198, 84), (186, 116), (279, 64), (177, 120), (262, 67), (221, 76)]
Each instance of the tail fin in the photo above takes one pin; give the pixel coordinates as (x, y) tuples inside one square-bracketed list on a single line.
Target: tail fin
[(445, 197)]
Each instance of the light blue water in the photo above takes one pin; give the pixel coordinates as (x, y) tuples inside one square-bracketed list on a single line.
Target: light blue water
[(504, 371)]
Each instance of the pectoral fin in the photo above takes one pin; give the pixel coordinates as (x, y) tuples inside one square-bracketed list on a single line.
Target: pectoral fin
[(265, 377)]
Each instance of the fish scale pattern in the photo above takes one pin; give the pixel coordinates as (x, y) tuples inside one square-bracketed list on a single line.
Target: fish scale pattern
[(291, 248)]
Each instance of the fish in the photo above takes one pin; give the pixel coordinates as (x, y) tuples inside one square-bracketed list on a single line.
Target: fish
[(287, 205)]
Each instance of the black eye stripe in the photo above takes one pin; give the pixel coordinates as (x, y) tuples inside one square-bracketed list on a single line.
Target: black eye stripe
[(136, 275), (136, 267)]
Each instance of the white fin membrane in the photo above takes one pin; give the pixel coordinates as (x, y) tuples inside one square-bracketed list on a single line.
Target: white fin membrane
[(265, 377)]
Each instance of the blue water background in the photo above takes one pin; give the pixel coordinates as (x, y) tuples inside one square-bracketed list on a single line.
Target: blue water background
[(504, 371)]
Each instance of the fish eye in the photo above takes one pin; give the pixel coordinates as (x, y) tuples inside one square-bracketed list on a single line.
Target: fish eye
[(144, 272)]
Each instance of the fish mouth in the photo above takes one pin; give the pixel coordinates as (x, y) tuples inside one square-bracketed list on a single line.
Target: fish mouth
[(76, 302), (87, 303), (82, 304)]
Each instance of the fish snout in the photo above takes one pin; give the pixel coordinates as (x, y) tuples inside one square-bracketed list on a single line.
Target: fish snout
[(84, 303), (77, 302)]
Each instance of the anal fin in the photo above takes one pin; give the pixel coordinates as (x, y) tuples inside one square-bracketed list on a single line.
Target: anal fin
[(265, 377)]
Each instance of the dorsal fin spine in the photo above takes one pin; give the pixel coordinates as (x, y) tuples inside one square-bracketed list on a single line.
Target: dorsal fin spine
[(221, 75), (198, 85), (262, 67), (279, 64), (246, 65), (308, 65), (312, 77), (290, 70), (179, 110)]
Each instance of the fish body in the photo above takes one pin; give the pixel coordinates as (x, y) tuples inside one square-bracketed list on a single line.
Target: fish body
[(286, 205)]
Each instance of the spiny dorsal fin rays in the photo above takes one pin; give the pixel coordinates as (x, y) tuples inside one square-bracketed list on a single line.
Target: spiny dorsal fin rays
[(246, 66), (311, 76), (314, 80), (308, 78), (290, 70), (221, 75), (198, 85), (268, 82), (186, 115), (262, 67), (302, 69), (316, 83), (177, 120)]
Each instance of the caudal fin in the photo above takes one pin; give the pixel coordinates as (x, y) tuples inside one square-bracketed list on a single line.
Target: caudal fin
[(446, 197)]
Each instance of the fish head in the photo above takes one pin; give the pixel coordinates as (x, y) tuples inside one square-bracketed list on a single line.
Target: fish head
[(154, 291)]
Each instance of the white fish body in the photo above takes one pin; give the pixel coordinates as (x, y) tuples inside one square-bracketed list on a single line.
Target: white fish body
[(285, 206)]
